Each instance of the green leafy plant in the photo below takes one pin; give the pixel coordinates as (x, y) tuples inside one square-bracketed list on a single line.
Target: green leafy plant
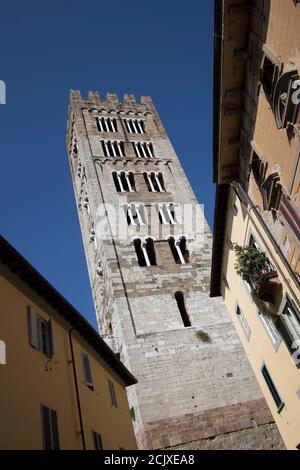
[(251, 263)]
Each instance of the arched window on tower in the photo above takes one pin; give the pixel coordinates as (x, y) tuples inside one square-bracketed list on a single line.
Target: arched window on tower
[(179, 250), (145, 251), (179, 297), (154, 182), (134, 214), (124, 181)]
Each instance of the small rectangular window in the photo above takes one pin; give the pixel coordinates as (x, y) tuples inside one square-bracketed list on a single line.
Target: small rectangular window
[(112, 393), (272, 388), (269, 76), (87, 370), (40, 333), (243, 322), (49, 428), (97, 441), (258, 167)]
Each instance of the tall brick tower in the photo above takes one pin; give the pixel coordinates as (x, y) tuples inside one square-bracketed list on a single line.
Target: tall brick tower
[(148, 250)]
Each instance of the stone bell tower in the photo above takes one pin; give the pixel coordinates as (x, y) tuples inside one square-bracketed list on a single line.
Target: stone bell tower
[(148, 250)]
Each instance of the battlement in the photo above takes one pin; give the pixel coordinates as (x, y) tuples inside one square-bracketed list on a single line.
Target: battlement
[(112, 102)]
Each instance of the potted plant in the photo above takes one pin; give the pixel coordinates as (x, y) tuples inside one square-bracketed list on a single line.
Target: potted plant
[(254, 267)]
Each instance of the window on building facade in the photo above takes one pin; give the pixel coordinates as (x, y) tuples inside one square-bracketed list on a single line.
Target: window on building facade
[(143, 149), (272, 388), (145, 251), (97, 440), (288, 324), (87, 370), (271, 192), (258, 167), (154, 182), (40, 333), (269, 76), (112, 393), (113, 148), (106, 124), (134, 214), (49, 429), (291, 215), (179, 297), (285, 109), (179, 250), (135, 126), (124, 181), (166, 213), (243, 322), (270, 327)]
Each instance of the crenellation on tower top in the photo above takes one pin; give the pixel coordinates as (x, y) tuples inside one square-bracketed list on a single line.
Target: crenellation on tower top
[(94, 97)]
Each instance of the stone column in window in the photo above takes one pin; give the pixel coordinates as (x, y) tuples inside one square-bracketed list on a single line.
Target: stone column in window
[(149, 148), (149, 176), (169, 212), (128, 182), (144, 244), (139, 125), (139, 215), (100, 124), (129, 212), (120, 182), (136, 146), (177, 245), (156, 175), (143, 150), (162, 213)]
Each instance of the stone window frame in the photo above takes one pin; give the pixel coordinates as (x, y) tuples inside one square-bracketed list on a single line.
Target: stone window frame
[(276, 61)]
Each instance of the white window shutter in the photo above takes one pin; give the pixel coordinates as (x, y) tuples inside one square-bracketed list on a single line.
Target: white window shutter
[(33, 328)]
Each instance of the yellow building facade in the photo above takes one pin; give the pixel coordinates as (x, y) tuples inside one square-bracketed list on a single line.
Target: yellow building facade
[(257, 170), (61, 386)]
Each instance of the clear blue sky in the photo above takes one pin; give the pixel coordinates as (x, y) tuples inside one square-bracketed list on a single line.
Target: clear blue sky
[(161, 48)]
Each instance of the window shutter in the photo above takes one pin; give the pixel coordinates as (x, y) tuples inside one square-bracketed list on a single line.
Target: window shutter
[(97, 441), (87, 369), (46, 426), (49, 339), (112, 394), (288, 339), (33, 328), (54, 428)]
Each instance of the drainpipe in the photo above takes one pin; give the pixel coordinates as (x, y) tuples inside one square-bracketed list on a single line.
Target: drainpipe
[(76, 389)]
